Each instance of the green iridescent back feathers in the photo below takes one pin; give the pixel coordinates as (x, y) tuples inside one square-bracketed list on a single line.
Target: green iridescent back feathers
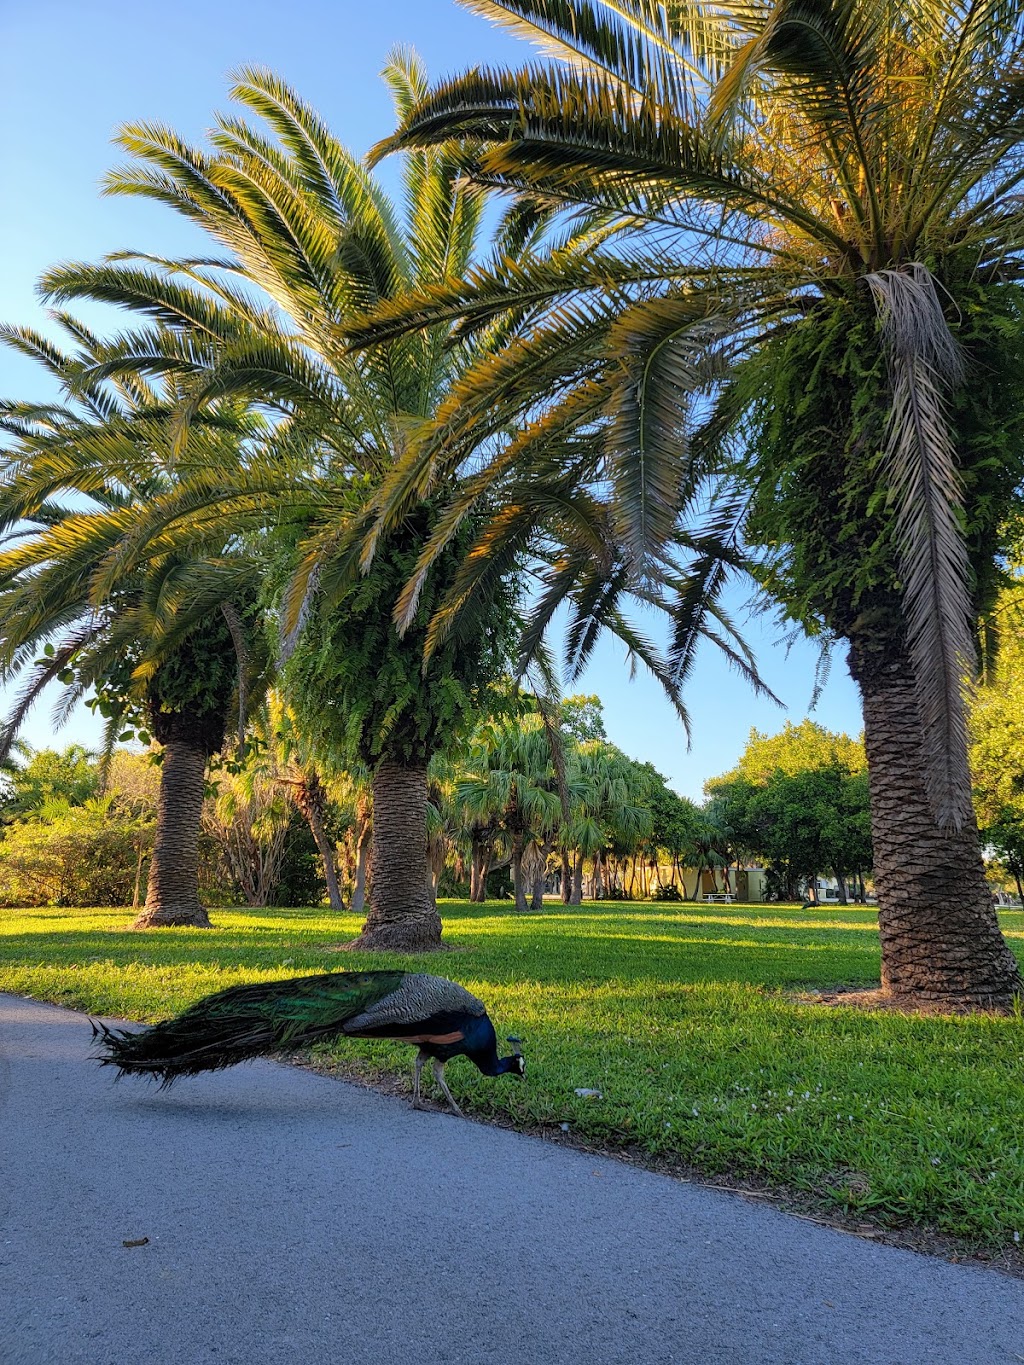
[(255, 1021)]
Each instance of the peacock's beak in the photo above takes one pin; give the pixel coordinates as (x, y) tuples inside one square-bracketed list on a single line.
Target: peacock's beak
[(517, 1051)]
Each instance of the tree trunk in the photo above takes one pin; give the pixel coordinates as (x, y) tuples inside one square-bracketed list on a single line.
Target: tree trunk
[(403, 913), (359, 888), (537, 899), (940, 937), (485, 871), (172, 893), (363, 842), (576, 895), (311, 800), (537, 902), (476, 870), (598, 877), (566, 878), (518, 881)]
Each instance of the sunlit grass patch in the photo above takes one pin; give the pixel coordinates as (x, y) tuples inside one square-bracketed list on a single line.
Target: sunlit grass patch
[(685, 1020)]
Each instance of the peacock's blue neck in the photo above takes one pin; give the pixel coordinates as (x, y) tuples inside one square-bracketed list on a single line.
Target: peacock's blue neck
[(482, 1048), (493, 1065)]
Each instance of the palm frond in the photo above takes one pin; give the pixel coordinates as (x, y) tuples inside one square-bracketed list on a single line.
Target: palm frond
[(927, 494)]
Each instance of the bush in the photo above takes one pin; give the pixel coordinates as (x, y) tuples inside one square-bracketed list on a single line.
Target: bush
[(667, 893), (96, 854), (82, 856), (300, 880)]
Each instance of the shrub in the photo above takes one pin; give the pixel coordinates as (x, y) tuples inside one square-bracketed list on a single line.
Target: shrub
[(96, 854), (666, 893), (80, 856)]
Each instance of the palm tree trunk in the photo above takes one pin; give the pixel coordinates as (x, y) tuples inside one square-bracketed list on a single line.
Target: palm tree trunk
[(537, 902), (566, 879), (485, 869), (403, 913), (518, 881), (172, 893), (537, 899), (940, 936), (576, 895)]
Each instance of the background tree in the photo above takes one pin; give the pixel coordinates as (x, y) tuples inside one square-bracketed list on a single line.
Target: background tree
[(799, 800), (510, 782), (997, 733), (46, 775)]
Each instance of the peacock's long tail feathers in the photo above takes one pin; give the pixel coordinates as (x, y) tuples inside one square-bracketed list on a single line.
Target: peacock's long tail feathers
[(244, 1022)]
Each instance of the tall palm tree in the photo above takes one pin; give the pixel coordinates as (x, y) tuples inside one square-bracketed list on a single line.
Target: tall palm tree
[(510, 781), (609, 806), (162, 641), (813, 223), (309, 243)]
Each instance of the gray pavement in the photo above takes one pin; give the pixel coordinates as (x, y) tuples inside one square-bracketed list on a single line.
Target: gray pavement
[(293, 1218)]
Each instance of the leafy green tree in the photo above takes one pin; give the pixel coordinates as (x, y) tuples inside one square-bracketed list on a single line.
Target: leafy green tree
[(799, 748), (806, 823), (582, 718), (74, 854), (675, 822), (997, 735), (799, 800), (69, 775), (812, 222)]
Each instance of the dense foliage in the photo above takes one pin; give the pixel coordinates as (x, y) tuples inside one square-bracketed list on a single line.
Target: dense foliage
[(362, 691), (798, 801)]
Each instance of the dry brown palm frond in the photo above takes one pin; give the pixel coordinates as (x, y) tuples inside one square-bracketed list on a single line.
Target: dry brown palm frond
[(925, 488)]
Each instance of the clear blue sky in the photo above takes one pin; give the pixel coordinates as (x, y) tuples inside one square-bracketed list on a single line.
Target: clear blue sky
[(73, 71)]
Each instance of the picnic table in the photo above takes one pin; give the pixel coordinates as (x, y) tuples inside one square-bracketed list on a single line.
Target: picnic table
[(725, 896)]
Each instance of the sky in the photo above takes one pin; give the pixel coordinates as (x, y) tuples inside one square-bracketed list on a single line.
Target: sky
[(70, 73)]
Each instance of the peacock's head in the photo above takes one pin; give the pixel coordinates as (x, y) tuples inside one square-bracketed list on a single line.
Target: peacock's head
[(516, 1064)]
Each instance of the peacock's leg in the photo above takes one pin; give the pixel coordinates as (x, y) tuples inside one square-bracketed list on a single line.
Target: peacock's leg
[(421, 1057), (439, 1077)]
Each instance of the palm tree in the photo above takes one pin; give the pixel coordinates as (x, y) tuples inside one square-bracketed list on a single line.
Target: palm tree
[(812, 225), (610, 808), (510, 781), (163, 642), (309, 242)]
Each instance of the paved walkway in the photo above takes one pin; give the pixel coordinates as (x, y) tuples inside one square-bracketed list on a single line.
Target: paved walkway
[(292, 1218)]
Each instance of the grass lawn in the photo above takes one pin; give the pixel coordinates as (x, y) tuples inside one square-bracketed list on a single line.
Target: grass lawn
[(682, 1016)]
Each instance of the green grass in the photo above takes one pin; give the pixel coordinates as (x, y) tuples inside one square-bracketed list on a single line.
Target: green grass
[(681, 1016)]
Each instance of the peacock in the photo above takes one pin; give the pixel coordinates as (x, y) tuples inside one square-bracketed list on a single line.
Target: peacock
[(247, 1021)]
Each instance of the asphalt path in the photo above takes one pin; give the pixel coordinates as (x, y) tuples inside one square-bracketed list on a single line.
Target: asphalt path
[(295, 1218)]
